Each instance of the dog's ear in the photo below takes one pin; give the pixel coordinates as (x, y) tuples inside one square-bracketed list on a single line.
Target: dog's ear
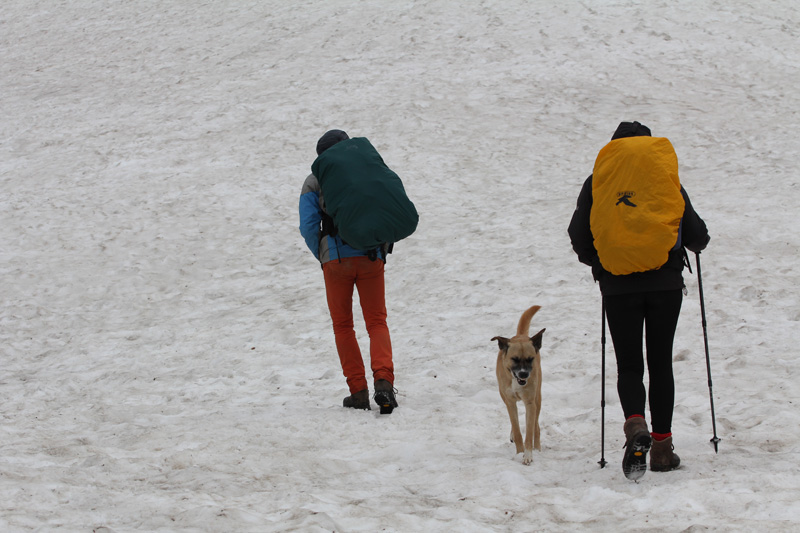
[(502, 342), (537, 340)]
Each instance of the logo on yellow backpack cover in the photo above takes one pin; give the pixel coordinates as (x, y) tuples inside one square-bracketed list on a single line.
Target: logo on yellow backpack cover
[(625, 198)]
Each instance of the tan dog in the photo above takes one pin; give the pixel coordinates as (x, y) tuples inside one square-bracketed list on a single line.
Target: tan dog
[(519, 378)]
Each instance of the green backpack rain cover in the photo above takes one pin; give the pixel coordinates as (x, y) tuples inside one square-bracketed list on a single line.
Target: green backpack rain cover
[(365, 198)]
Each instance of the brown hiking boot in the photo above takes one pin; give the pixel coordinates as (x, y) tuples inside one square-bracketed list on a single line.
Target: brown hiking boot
[(637, 444), (358, 400), (662, 456)]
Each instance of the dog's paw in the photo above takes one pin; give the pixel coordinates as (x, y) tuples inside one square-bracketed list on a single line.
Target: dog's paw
[(527, 457)]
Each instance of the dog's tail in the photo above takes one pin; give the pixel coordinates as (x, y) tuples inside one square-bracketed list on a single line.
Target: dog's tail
[(525, 320)]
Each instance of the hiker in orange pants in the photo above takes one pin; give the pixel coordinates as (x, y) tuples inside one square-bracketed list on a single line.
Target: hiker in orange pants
[(346, 268)]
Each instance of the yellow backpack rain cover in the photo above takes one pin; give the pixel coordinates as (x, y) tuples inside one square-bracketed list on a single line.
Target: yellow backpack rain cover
[(636, 204)]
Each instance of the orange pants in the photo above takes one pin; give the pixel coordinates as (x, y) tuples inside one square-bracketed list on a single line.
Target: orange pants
[(367, 277)]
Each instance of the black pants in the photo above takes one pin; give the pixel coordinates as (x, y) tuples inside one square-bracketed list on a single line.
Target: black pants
[(657, 313)]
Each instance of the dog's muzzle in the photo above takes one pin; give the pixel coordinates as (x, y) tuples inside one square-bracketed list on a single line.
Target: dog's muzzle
[(522, 378)]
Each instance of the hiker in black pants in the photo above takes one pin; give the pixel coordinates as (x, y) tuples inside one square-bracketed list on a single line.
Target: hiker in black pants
[(648, 301)]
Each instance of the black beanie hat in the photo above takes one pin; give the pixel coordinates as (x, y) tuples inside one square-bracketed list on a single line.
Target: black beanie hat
[(631, 129), (329, 139)]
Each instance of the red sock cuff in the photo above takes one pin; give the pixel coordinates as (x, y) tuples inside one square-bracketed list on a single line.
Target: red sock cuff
[(660, 436), (635, 416)]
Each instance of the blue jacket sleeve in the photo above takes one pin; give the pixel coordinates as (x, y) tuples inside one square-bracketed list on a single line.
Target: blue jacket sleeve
[(310, 218)]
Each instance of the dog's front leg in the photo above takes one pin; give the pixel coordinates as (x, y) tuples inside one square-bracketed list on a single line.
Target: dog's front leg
[(531, 431), (530, 424), (516, 433), (536, 410)]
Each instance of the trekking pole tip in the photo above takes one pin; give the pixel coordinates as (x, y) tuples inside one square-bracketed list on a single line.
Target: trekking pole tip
[(715, 441)]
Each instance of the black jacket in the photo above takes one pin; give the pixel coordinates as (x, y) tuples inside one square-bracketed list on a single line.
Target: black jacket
[(694, 236)]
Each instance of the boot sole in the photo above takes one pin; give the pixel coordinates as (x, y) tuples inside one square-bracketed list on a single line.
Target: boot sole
[(634, 462), (385, 402), (361, 407)]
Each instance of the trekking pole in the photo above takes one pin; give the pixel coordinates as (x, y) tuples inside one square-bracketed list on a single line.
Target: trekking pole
[(715, 440), (602, 461)]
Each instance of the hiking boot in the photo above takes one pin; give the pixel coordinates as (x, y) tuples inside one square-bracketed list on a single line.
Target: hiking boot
[(637, 444), (358, 400), (662, 458), (384, 396)]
